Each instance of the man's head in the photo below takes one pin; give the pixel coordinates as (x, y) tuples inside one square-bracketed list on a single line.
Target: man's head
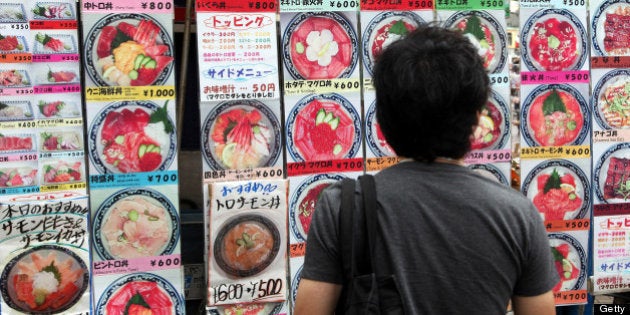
[(430, 86)]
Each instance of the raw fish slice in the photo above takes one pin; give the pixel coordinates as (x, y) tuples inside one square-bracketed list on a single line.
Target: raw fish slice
[(104, 46)]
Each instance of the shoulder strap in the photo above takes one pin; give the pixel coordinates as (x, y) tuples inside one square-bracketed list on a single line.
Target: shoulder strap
[(346, 212), (368, 191)]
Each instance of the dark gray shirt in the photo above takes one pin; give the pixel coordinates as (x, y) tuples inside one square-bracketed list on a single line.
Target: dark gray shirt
[(459, 243)]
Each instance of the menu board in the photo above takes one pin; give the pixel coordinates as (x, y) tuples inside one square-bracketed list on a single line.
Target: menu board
[(610, 85), (128, 57), (45, 259), (247, 261), (555, 128)]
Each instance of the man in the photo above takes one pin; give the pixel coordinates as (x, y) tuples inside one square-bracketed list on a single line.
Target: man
[(457, 242)]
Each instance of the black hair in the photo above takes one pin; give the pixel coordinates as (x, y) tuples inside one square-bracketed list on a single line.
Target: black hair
[(430, 85)]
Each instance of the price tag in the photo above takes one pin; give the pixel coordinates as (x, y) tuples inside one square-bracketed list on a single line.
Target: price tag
[(296, 87), (555, 152), (44, 89), (567, 225), (121, 93), (19, 190), (403, 5), (16, 91), (470, 4), (123, 6), (263, 290), (379, 163), (344, 165), (297, 250), (16, 58), (549, 77), (610, 62), (237, 6), (54, 25), (58, 187), (243, 174), (499, 79), (484, 157), (611, 209), (18, 26), (312, 6), (571, 297), (137, 264)]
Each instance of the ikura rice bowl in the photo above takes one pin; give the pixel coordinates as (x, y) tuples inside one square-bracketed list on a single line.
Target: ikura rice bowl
[(136, 226), (323, 129)]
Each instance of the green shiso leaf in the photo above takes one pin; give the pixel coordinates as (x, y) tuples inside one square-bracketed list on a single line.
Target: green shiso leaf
[(553, 103)]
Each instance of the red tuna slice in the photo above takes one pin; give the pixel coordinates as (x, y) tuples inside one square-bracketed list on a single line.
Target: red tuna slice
[(322, 23), (127, 28), (8, 43), (156, 50), (15, 143), (146, 34), (104, 46), (110, 126), (339, 34), (63, 76)]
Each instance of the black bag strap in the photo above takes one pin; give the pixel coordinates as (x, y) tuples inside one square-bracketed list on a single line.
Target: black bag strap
[(346, 225), (368, 191)]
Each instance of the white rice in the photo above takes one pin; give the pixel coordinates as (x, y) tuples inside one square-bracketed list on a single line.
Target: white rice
[(156, 132)]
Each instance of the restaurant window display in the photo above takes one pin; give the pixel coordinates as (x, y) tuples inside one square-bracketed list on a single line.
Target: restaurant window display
[(280, 106)]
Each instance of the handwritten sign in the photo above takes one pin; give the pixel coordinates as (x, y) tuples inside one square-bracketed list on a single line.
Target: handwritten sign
[(248, 237)]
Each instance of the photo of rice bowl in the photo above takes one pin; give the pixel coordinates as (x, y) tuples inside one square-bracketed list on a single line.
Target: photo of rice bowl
[(139, 294), (241, 134), (555, 115), (246, 244), (323, 127), (132, 137), (493, 127), (135, 222), (485, 33), (559, 189), (128, 49), (569, 259), (320, 45), (46, 279), (611, 100), (374, 137), (303, 201), (384, 29), (490, 171), (611, 28), (553, 40)]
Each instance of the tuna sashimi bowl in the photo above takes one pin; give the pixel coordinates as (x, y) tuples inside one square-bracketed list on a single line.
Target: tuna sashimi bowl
[(132, 137)]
